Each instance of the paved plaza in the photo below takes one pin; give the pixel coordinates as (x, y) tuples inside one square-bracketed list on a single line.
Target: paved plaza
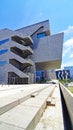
[(19, 110)]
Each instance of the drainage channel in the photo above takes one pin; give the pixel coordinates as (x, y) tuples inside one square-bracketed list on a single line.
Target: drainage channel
[(66, 118)]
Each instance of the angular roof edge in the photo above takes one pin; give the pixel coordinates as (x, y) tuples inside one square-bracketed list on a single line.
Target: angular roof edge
[(6, 29), (32, 25)]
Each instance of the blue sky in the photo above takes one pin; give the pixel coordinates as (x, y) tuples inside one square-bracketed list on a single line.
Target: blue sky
[(16, 14)]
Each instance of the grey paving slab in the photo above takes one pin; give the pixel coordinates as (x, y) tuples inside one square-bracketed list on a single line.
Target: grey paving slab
[(33, 102), (39, 99), (8, 102), (20, 116), (27, 114), (46, 92), (5, 126)]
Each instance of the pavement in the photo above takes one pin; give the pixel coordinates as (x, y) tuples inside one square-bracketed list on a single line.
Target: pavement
[(20, 111), (52, 118)]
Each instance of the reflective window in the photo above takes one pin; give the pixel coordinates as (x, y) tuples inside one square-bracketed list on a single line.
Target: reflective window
[(3, 51), (3, 63), (40, 35), (4, 41)]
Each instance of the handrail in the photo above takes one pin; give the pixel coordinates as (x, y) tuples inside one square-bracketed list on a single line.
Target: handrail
[(36, 30)]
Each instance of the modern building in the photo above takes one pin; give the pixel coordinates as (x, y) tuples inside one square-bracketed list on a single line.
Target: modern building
[(26, 50), (70, 68), (63, 74)]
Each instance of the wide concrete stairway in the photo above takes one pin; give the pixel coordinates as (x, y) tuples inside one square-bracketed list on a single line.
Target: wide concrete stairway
[(22, 111)]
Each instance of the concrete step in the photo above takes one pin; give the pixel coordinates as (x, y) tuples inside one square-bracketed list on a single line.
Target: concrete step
[(26, 115), (48, 102), (34, 94), (9, 102), (51, 101)]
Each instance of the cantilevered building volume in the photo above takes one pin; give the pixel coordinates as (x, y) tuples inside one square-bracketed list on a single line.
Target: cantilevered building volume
[(26, 50)]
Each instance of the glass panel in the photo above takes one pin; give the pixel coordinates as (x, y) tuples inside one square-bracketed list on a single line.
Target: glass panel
[(3, 51), (40, 35), (4, 41), (3, 63)]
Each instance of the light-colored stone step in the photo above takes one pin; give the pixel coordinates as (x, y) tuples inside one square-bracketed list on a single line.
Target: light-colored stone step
[(48, 101), (9, 102), (34, 94), (51, 101), (26, 115)]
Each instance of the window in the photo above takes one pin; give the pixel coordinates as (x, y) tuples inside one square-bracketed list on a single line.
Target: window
[(3, 63), (3, 51), (4, 41), (40, 35)]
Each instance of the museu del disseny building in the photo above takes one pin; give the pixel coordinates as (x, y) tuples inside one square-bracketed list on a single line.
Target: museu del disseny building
[(26, 50)]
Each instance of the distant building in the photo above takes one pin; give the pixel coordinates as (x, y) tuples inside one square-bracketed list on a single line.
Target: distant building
[(63, 74), (70, 68), (27, 50)]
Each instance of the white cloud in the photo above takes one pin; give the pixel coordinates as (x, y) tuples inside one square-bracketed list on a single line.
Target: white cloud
[(68, 46), (69, 30), (71, 56), (66, 51), (69, 43)]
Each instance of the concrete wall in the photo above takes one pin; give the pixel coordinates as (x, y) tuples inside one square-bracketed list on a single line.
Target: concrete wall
[(29, 30), (49, 48), (6, 33), (3, 74), (68, 96), (5, 57)]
